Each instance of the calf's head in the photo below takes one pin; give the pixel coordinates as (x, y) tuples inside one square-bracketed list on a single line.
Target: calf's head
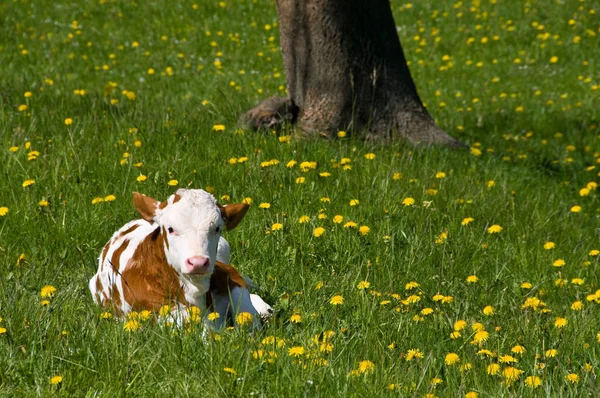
[(191, 223)]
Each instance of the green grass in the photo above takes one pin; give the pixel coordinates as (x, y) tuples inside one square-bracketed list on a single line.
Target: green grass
[(535, 122)]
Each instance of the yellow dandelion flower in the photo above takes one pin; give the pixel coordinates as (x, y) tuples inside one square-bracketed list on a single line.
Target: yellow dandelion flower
[(68, 121), (131, 325), (471, 394), (336, 300), (472, 279), (106, 315), (276, 227), (440, 175), (300, 180), (507, 359), (572, 378), (48, 291), (577, 306), (110, 198), (243, 318), (56, 380), (318, 232), (494, 229), (481, 337), (414, 354), (296, 318), (518, 349), (493, 369), (364, 230), (230, 371), (296, 352), (576, 209), (553, 59), (172, 183), (559, 263), (451, 359), (28, 183), (3, 211), (362, 285), (551, 353), (460, 325), (338, 219), (366, 366), (141, 178), (213, 316), (594, 253), (511, 374), (264, 205), (341, 134), (466, 221), (350, 224), (560, 322), (354, 202), (304, 219), (408, 201), (533, 382), (488, 310), (43, 203), (219, 127), (549, 245)]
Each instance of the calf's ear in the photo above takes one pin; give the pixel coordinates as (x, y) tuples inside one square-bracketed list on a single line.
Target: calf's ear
[(145, 205), (233, 214)]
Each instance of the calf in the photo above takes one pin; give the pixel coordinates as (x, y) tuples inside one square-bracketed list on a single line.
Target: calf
[(175, 256)]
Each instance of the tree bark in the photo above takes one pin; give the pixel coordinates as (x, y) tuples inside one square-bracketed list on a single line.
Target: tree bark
[(345, 70)]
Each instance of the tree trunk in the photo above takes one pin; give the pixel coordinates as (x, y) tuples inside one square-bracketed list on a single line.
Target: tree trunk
[(346, 70)]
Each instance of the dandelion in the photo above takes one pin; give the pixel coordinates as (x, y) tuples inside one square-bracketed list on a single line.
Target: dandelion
[(2, 330), (300, 180), (219, 127), (354, 202), (296, 318), (141, 178), (366, 366), (338, 219), (318, 232), (408, 202), (336, 300), (494, 229), (493, 369), (243, 318), (472, 279), (131, 325), (572, 378), (560, 323), (551, 353), (414, 354), (106, 315), (362, 285), (511, 374), (213, 316), (411, 285), (559, 263), (3, 211), (172, 183), (68, 121), (481, 337), (440, 175), (48, 291), (489, 310), (110, 198), (471, 394), (507, 359), (518, 349), (451, 359), (533, 382), (549, 245), (296, 352), (341, 134), (231, 371), (304, 219), (55, 380), (264, 205), (460, 325), (594, 253), (466, 221), (276, 227), (350, 224), (554, 59), (370, 156), (576, 209), (43, 203), (28, 183), (364, 230)]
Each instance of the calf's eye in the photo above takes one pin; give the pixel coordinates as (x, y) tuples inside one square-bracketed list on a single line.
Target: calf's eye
[(171, 231), (218, 229)]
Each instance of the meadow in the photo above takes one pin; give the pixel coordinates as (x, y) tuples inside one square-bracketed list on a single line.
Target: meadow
[(393, 270)]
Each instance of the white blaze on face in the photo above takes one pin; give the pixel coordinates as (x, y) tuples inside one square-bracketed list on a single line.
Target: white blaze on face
[(193, 225)]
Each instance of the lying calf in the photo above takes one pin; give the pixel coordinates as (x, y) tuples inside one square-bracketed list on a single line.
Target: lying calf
[(175, 256)]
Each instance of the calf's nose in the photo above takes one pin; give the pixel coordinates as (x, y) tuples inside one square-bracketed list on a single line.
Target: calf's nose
[(198, 265)]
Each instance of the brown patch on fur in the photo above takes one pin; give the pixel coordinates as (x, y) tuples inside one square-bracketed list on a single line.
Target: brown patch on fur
[(225, 278), (233, 214), (176, 198), (104, 251), (116, 299), (165, 240), (116, 257), (149, 282), (100, 294), (129, 230), (164, 204)]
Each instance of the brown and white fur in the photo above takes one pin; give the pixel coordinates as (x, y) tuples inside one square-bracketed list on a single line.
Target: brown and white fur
[(175, 256)]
